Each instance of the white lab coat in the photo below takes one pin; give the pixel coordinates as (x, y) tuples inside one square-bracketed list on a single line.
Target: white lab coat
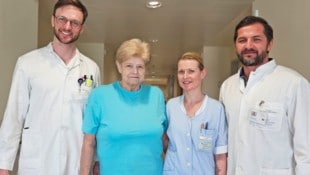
[(268, 122), (45, 109)]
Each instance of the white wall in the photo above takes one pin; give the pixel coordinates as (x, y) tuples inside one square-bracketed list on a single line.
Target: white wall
[(18, 34), (217, 63), (217, 59), (291, 24)]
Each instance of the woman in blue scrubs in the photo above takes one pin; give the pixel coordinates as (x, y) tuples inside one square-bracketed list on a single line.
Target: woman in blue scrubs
[(197, 129)]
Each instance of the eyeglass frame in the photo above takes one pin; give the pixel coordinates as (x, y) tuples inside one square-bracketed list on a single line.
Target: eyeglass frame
[(62, 20)]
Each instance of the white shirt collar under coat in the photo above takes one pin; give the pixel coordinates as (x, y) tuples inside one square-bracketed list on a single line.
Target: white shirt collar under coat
[(257, 75), (75, 61)]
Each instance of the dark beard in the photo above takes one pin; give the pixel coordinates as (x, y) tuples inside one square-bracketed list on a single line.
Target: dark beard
[(68, 42), (257, 61)]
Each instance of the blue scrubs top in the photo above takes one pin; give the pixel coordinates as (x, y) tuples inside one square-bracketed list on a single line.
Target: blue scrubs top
[(194, 141)]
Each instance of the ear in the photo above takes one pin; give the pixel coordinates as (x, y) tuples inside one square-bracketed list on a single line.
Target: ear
[(119, 67), (270, 45), (82, 28), (53, 20), (204, 73)]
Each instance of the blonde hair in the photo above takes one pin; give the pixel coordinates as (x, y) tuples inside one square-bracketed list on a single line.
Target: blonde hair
[(193, 56), (133, 48)]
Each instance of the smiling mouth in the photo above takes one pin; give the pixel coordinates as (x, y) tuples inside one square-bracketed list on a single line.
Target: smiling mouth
[(245, 52), (66, 33), (186, 82), (249, 53)]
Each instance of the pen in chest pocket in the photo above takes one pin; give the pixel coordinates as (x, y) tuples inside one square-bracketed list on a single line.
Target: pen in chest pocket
[(203, 126), (88, 80)]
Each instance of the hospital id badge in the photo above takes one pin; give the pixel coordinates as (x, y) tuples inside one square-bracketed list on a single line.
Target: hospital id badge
[(270, 120), (205, 143), (258, 117), (205, 140)]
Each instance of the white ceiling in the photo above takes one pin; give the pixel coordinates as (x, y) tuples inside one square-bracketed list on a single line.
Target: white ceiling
[(178, 26)]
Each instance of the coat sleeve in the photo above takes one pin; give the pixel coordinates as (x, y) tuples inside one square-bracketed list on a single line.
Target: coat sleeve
[(98, 76), (13, 119), (301, 138)]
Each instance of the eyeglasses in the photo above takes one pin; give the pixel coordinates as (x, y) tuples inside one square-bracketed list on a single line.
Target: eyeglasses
[(63, 21)]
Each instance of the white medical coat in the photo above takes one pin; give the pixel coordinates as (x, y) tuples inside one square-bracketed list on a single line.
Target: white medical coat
[(45, 109), (268, 122)]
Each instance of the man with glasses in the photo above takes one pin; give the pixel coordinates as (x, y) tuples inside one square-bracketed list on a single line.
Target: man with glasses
[(49, 88)]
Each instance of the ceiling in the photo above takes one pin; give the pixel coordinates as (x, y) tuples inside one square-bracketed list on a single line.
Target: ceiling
[(178, 26)]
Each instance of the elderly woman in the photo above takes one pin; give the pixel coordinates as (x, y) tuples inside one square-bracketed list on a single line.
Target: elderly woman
[(197, 129), (125, 120)]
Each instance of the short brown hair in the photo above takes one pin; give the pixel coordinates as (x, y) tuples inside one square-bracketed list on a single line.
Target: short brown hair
[(76, 3), (250, 20)]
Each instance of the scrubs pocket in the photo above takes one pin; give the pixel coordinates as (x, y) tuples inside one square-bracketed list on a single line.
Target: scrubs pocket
[(269, 171), (206, 140)]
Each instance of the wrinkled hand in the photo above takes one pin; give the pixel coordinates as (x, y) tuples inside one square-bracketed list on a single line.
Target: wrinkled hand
[(4, 172), (96, 169)]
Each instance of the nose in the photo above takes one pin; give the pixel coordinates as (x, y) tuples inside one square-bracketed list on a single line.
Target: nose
[(135, 70), (249, 44), (185, 75), (67, 25)]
